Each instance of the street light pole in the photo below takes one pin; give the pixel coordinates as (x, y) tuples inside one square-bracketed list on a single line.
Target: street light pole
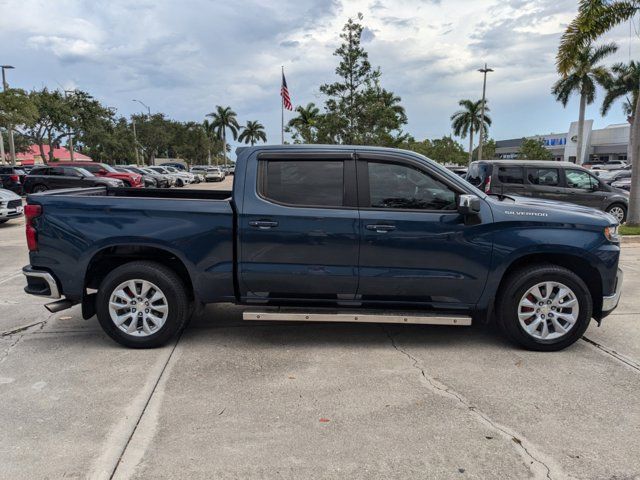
[(144, 105), (152, 156), (12, 146), (70, 133), (484, 71)]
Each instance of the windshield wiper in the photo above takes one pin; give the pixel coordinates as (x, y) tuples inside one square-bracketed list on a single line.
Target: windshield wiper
[(501, 196)]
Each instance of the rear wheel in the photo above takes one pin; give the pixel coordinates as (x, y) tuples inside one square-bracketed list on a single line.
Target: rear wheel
[(545, 307), (179, 182), (619, 211), (142, 304)]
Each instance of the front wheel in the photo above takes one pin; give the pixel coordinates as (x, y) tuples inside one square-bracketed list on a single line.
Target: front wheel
[(179, 182), (544, 308), (142, 304), (619, 211)]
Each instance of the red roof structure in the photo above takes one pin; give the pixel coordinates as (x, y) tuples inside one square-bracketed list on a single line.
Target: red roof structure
[(32, 156)]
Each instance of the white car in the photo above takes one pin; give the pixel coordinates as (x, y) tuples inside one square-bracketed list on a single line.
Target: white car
[(211, 174), (180, 178), (10, 205), (186, 177)]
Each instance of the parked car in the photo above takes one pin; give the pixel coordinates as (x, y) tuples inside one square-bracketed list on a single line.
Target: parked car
[(104, 170), (333, 233), (610, 176), (560, 181), (176, 165), (10, 205), (159, 181), (12, 178), (171, 181), (187, 177), (211, 174), (146, 180), (624, 184), (610, 165), (460, 171), (47, 177), (180, 179)]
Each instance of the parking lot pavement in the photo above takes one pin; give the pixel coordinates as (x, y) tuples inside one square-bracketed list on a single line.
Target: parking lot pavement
[(236, 400)]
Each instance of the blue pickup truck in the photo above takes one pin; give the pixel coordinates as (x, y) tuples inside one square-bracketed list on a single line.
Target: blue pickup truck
[(325, 233)]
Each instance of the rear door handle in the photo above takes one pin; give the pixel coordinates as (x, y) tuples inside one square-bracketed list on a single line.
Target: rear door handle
[(263, 224), (380, 228)]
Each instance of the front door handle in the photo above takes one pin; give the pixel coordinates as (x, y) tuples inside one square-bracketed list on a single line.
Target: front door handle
[(380, 228), (263, 224)]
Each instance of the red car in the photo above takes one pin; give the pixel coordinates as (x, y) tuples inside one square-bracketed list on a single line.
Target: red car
[(104, 170)]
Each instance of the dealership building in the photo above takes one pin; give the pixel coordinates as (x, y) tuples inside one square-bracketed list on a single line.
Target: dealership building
[(600, 145)]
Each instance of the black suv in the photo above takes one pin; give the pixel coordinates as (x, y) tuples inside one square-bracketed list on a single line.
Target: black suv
[(11, 178), (41, 179), (561, 181)]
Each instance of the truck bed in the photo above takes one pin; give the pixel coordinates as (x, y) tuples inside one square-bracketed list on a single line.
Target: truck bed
[(164, 193)]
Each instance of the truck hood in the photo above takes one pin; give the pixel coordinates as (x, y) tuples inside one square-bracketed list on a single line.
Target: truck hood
[(527, 208)]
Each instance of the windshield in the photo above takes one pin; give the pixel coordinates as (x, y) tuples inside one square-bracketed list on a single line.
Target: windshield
[(84, 172), (108, 168), (171, 169), (158, 169)]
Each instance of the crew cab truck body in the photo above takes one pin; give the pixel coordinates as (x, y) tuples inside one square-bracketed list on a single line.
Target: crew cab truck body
[(326, 233)]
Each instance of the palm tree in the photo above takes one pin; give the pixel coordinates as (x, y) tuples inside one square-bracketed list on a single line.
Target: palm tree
[(582, 77), (595, 18), (466, 121), (252, 133), (306, 122), (625, 82), (222, 119)]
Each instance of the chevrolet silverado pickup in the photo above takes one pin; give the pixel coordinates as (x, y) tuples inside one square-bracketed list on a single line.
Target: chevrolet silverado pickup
[(325, 233)]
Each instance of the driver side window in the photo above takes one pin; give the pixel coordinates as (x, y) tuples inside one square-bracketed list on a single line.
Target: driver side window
[(393, 185)]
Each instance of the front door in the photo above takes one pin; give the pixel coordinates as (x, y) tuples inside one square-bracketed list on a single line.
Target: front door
[(300, 239), (582, 188), (415, 246)]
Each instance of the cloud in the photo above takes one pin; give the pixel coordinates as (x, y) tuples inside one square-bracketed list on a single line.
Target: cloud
[(183, 58)]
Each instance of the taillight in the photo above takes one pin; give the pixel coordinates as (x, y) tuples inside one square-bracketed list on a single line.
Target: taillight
[(487, 184), (31, 212), (15, 178)]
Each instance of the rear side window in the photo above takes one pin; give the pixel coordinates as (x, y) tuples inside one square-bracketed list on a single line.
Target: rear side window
[(511, 175), (92, 168), (304, 182), (477, 173), (580, 179), (39, 171), (543, 176)]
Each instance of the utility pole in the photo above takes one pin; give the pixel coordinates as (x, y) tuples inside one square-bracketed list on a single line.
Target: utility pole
[(2, 159), (152, 160), (135, 140), (484, 71), (12, 147)]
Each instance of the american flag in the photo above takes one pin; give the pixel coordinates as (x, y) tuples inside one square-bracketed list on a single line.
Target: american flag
[(284, 93)]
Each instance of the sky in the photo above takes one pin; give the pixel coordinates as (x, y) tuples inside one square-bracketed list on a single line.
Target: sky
[(185, 57)]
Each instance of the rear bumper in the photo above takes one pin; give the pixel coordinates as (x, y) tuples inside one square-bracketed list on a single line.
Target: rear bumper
[(40, 283), (610, 302)]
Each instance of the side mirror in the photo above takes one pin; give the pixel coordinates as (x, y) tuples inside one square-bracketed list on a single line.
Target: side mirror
[(468, 205)]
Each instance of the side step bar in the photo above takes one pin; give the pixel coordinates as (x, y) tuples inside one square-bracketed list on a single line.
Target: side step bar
[(356, 317)]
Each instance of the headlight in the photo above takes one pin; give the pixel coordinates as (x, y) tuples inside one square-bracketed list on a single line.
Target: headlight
[(611, 233)]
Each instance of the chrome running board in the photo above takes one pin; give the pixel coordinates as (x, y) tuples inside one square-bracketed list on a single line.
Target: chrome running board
[(291, 315)]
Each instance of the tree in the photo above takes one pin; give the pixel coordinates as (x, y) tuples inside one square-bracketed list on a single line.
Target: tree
[(583, 75), (110, 141), (16, 109), (222, 119), (304, 127), (488, 149), (443, 150), (358, 110), (595, 18), (466, 121), (253, 132), (533, 149)]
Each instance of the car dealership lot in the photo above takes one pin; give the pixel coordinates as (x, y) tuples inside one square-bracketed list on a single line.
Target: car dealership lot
[(242, 400)]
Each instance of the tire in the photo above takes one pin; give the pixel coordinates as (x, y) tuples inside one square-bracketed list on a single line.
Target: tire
[(179, 182), (174, 306), (3, 220), (39, 188), (126, 184), (619, 211), (512, 303)]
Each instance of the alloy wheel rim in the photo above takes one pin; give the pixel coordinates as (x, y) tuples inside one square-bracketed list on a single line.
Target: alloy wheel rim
[(548, 311), (138, 308), (617, 212)]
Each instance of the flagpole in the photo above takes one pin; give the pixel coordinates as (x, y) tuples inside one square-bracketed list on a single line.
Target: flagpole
[(282, 109)]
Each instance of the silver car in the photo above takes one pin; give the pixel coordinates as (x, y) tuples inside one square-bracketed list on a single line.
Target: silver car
[(10, 205)]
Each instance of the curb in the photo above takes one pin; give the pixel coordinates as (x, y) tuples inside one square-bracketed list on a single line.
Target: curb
[(630, 239)]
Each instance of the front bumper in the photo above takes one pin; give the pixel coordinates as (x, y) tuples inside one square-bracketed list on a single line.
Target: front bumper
[(610, 302), (40, 283)]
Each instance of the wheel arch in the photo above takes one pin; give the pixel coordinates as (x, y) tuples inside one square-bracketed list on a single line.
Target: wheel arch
[(589, 274)]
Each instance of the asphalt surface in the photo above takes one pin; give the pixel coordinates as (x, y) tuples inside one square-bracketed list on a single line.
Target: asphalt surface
[(233, 400)]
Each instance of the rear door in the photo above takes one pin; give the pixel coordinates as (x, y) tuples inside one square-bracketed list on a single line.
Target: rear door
[(300, 239), (415, 246), (545, 182)]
